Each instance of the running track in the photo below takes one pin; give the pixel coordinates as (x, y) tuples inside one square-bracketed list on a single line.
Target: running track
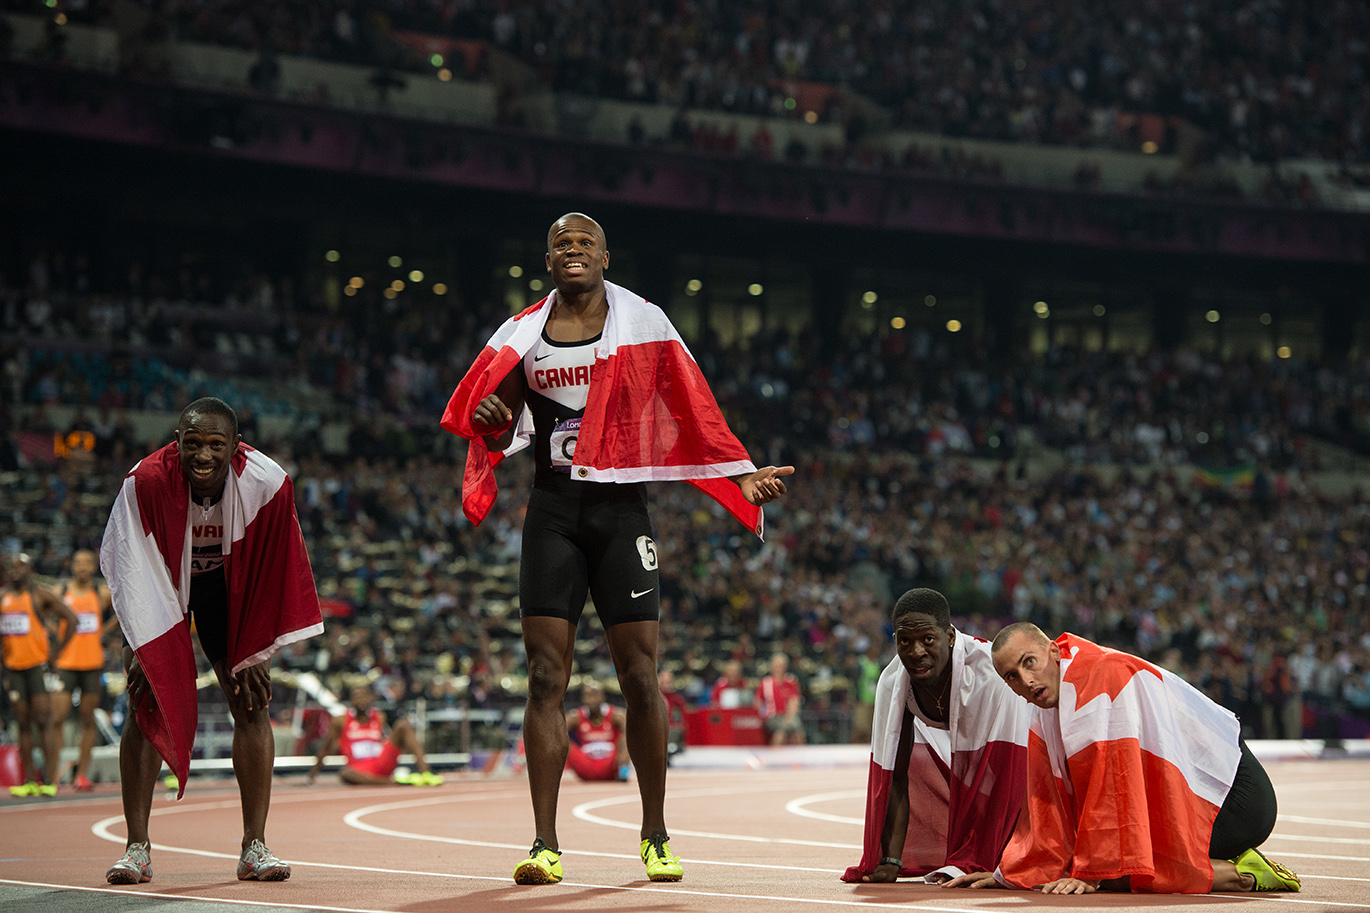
[(759, 841)]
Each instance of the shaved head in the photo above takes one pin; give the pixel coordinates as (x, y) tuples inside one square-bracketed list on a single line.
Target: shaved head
[(1021, 627), (580, 220)]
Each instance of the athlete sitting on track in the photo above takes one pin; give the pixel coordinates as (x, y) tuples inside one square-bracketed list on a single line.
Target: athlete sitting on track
[(372, 756), (598, 748)]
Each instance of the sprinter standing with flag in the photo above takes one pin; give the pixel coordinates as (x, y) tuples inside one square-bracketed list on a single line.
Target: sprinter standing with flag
[(605, 388)]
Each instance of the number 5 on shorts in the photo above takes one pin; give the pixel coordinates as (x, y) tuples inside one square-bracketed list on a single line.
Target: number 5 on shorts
[(647, 549)]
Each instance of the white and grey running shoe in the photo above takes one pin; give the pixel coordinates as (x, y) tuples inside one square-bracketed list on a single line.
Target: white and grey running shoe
[(135, 867), (260, 864)]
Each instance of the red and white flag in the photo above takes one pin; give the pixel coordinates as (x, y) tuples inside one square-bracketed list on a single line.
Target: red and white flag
[(649, 415), (1125, 777), (966, 782), (145, 557)]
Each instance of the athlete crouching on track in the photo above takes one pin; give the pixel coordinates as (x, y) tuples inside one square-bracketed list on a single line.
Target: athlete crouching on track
[(204, 527), (1136, 780), (612, 398)]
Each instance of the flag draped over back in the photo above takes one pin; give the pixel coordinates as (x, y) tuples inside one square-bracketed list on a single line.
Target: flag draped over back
[(966, 783), (1125, 777), (649, 415), (145, 556)]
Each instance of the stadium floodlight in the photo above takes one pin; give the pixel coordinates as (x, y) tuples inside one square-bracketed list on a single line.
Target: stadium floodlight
[(930, 300), (693, 285), (515, 272), (416, 275), (1265, 319), (1099, 310), (869, 298), (535, 285), (1212, 316), (395, 261), (755, 289), (1283, 352), (898, 323), (954, 326), (439, 288), (332, 256)]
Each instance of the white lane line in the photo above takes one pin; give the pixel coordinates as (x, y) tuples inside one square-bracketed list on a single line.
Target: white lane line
[(125, 892), (1326, 822), (1282, 854), (1355, 841), (354, 819), (585, 809), (100, 829), (800, 806)]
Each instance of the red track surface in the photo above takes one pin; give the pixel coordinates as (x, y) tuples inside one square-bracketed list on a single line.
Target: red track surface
[(760, 841)]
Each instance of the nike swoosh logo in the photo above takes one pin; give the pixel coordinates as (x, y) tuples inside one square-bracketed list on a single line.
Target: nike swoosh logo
[(541, 357), (636, 594)]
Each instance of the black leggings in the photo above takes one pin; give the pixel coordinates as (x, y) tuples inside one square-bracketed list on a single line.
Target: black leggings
[(1248, 813)]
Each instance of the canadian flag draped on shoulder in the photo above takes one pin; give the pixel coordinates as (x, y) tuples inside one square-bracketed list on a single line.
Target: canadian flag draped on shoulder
[(145, 557), (1125, 777), (649, 415), (966, 782)]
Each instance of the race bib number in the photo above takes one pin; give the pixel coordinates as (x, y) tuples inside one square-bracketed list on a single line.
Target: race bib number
[(598, 751), (87, 623), (364, 751), (563, 441), (14, 624)]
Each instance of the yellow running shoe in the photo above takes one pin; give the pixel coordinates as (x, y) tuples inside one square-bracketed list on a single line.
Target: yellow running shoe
[(543, 865), (661, 865), (1269, 874), (24, 789), (46, 789)]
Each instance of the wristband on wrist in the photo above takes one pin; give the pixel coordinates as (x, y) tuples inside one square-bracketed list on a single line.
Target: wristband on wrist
[(892, 860)]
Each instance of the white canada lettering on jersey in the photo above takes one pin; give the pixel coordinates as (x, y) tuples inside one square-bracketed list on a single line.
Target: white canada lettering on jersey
[(206, 537), (561, 372)]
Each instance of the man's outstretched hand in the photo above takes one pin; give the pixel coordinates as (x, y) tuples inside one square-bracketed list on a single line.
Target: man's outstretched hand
[(973, 880), (765, 484)]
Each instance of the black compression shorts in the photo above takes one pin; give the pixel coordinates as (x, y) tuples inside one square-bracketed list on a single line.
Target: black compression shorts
[(1248, 813), (209, 608), (597, 541), (86, 681)]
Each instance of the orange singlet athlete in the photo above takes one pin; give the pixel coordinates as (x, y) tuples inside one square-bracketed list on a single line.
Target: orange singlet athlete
[(24, 643), (83, 660)]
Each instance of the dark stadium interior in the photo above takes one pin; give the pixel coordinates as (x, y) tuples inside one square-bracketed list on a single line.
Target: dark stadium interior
[(1137, 411)]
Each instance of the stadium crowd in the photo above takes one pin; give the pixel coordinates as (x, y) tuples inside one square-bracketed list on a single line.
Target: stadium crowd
[(1265, 80), (1258, 596)]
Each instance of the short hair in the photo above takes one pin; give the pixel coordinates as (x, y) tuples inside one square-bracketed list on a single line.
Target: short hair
[(581, 217), (1018, 627), (209, 405), (928, 602)]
